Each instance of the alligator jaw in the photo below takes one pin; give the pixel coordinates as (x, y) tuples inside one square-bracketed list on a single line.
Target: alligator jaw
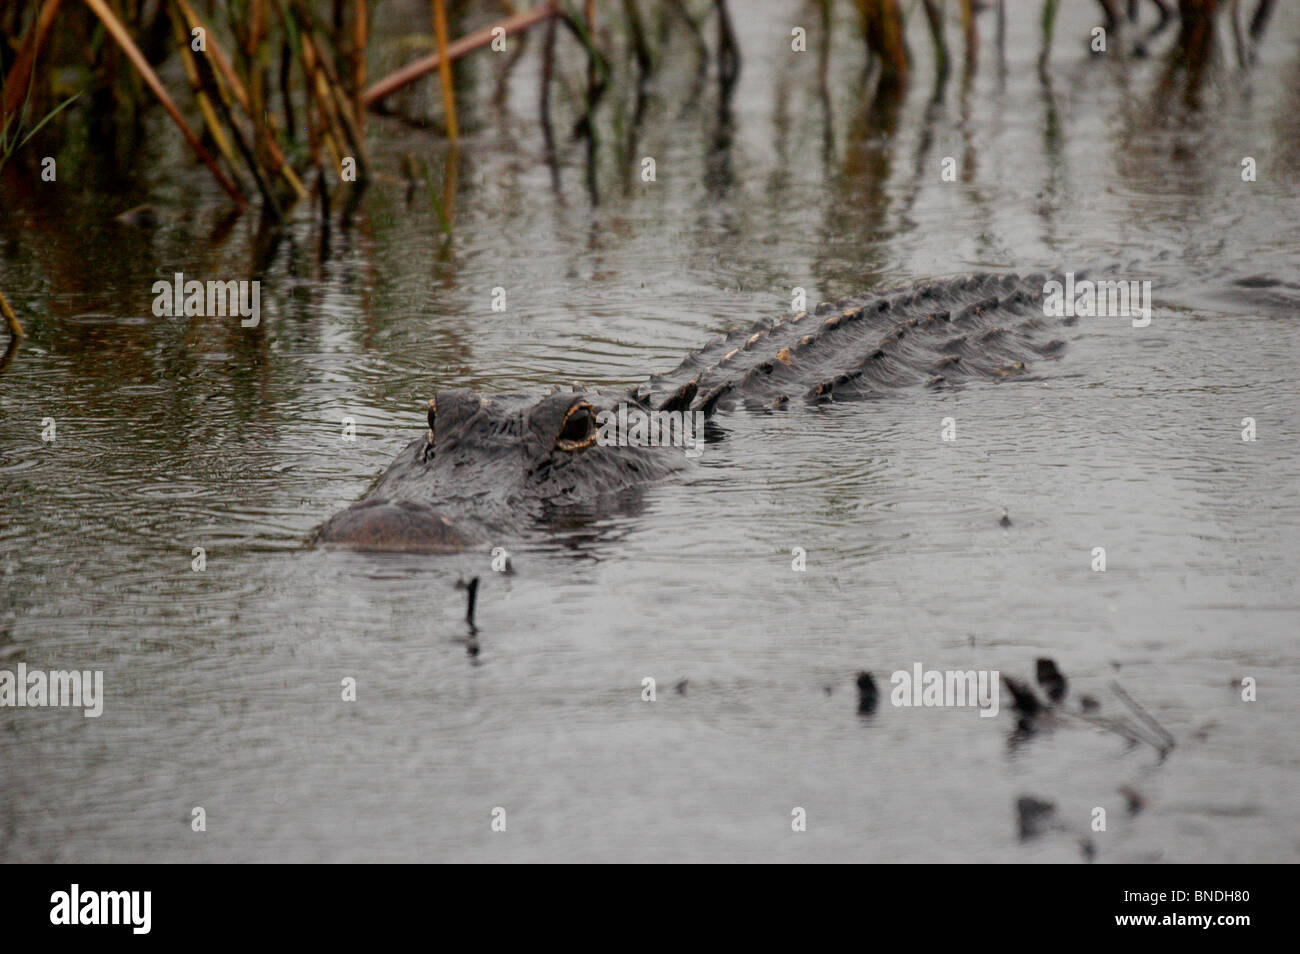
[(393, 526)]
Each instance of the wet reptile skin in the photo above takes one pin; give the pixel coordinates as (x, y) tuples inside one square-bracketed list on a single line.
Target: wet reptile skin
[(492, 464)]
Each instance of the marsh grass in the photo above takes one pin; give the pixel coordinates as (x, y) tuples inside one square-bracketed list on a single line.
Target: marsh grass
[(269, 71), (14, 133), (11, 320)]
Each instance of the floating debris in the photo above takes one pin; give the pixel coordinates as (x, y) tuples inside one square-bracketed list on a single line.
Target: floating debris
[(867, 693), (1034, 816), (142, 217), (1025, 701), (1147, 718), (1051, 680), (471, 594), (1133, 799), (1033, 711), (471, 598)]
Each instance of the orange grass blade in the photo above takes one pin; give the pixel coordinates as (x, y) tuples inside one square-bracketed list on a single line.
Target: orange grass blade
[(123, 39)]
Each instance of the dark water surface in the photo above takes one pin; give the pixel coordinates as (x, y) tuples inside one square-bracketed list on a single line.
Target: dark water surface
[(223, 686)]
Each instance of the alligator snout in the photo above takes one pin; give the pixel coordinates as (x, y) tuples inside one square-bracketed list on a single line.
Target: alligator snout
[(404, 526)]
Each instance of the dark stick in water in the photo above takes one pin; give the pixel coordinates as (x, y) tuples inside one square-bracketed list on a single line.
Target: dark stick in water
[(471, 589)]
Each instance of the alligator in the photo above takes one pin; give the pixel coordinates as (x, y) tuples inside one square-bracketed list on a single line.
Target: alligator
[(489, 464)]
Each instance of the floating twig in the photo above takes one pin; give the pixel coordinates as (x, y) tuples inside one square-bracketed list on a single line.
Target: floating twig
[(471, 597), (1119, 728), (1145, 716)]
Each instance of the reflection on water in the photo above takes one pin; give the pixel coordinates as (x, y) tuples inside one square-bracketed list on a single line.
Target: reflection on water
[(223, 685)]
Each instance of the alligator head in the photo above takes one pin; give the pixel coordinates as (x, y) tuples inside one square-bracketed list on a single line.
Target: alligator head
[(488, 463)]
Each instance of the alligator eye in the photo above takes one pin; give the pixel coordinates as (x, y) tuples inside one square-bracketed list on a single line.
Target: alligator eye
[(578, 432)]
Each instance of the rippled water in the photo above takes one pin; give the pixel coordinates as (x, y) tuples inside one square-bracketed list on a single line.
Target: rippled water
[(223, 686)]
